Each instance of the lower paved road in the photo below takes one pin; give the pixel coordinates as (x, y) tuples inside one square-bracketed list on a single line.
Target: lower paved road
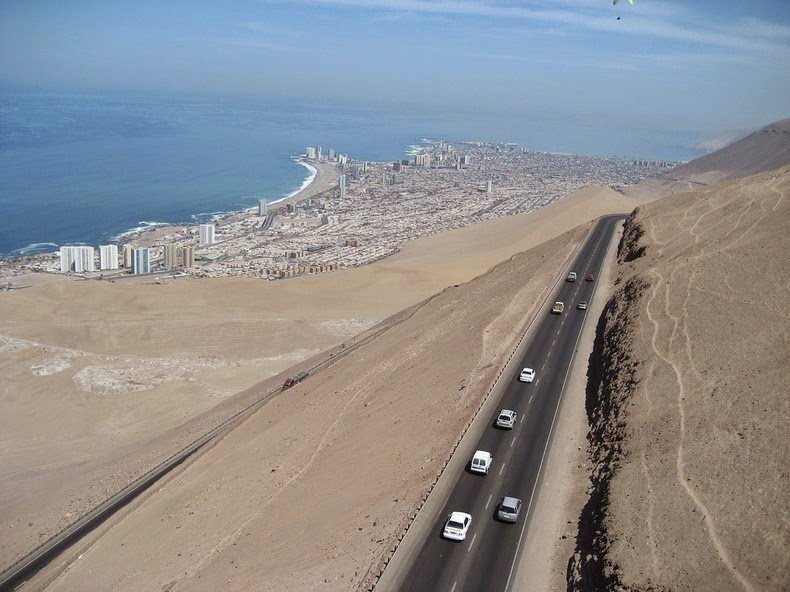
[(486, 559)]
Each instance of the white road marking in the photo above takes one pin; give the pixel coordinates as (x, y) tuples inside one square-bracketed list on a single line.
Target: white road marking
[(472, 543), (489, 500), (513, 441), (521, 420), (454, 585), (502, 468)]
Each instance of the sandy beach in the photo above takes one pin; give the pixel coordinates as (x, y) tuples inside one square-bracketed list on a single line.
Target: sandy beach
[(326, 176)]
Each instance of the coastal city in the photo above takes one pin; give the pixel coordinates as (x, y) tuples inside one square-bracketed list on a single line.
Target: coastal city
[(357, 212)]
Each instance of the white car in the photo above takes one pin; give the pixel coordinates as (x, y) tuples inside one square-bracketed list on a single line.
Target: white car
[(527, 375), (506, 419), (457, 526), (481, 462)]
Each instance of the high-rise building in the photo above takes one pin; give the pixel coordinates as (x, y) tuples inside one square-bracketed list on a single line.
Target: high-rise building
[(466, 159), (108, 257), (206, 234), (341, 183), (261, 207), (310, 152), (127, 255), (141, 261), (331, 154), (489, 186), (171, 256), (343, 159), (188, 256), (77, 259), (318, 152), (422, 160), (365, 167)]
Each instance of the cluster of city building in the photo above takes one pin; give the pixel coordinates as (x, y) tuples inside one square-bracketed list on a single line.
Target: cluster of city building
[(372, 211)]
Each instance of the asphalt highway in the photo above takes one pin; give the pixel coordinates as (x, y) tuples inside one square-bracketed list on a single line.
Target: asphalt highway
[(486, 560)]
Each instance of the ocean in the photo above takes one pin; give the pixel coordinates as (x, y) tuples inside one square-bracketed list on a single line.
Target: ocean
[(79, 169)]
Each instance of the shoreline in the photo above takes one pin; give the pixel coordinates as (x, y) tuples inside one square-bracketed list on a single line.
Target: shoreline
[(325, 178), (319, 179)]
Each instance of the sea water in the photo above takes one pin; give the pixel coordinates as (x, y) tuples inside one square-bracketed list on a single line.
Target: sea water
[(78, 169)]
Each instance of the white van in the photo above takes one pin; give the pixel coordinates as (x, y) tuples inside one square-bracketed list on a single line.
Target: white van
[(481, 462)]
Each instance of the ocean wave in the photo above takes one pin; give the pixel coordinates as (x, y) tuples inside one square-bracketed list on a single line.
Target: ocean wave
[(35, 248), (143, 225)]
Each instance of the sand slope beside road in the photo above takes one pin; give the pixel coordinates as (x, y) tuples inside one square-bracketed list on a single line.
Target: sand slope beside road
[(312, 491), (95, 372)]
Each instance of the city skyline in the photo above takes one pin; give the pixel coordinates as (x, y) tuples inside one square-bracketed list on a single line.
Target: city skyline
[(664, 63)]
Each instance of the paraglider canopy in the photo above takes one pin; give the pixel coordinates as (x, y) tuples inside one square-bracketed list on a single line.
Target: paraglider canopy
[(616, 1)]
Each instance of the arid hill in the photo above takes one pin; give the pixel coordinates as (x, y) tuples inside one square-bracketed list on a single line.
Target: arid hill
[(687, 401), (764, 150)]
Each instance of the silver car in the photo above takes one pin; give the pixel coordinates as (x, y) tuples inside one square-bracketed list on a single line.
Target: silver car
[(508, 510), (506, 419)]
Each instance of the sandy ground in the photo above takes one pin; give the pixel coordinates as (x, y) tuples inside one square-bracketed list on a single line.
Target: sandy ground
[(313, 489), (96, 374), (698, 499)]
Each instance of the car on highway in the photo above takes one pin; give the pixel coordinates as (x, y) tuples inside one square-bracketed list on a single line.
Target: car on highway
[(481, 462), (457, 526), (589, 278), (571, 277), (527, 375), (506, 419), (509, 509), (582, 305), (558, 307)]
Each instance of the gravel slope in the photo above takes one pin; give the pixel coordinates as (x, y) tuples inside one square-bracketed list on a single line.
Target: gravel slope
[(689, 408)]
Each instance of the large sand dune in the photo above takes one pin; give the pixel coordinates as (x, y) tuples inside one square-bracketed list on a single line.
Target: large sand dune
[(98, 377), (312, 491)]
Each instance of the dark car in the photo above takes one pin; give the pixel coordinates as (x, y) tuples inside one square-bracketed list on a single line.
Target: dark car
[(589, 278)]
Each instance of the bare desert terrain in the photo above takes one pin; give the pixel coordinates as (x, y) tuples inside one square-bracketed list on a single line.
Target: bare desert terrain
[(311, 492), (103, 381), (688, 404)]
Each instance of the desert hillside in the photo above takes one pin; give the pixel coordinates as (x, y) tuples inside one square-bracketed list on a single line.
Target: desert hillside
[(766, 149), (103, 381), (312, 491), (687, 402)]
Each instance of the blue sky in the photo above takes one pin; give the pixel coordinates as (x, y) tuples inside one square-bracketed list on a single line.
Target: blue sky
[(707, 64)]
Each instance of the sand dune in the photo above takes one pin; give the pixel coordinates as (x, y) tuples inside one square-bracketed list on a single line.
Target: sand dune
[(102, 374)]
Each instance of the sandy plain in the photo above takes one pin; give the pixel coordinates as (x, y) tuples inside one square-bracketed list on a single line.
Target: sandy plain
[(99, 377)]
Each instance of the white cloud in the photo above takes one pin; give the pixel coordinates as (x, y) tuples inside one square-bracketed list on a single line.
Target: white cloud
[(665, 20)]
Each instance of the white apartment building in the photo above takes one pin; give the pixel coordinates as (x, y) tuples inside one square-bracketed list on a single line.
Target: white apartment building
[(261, 207), (171, 256), (77, 259), (206, 234), (188, 256), (141, 261), (108, 257), (128, 252), (310, 152)]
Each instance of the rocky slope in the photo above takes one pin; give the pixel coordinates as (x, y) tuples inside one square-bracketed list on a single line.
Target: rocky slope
[(688, 404)]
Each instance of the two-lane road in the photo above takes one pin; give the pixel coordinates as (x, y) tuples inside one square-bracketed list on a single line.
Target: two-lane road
[(486, 560)]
